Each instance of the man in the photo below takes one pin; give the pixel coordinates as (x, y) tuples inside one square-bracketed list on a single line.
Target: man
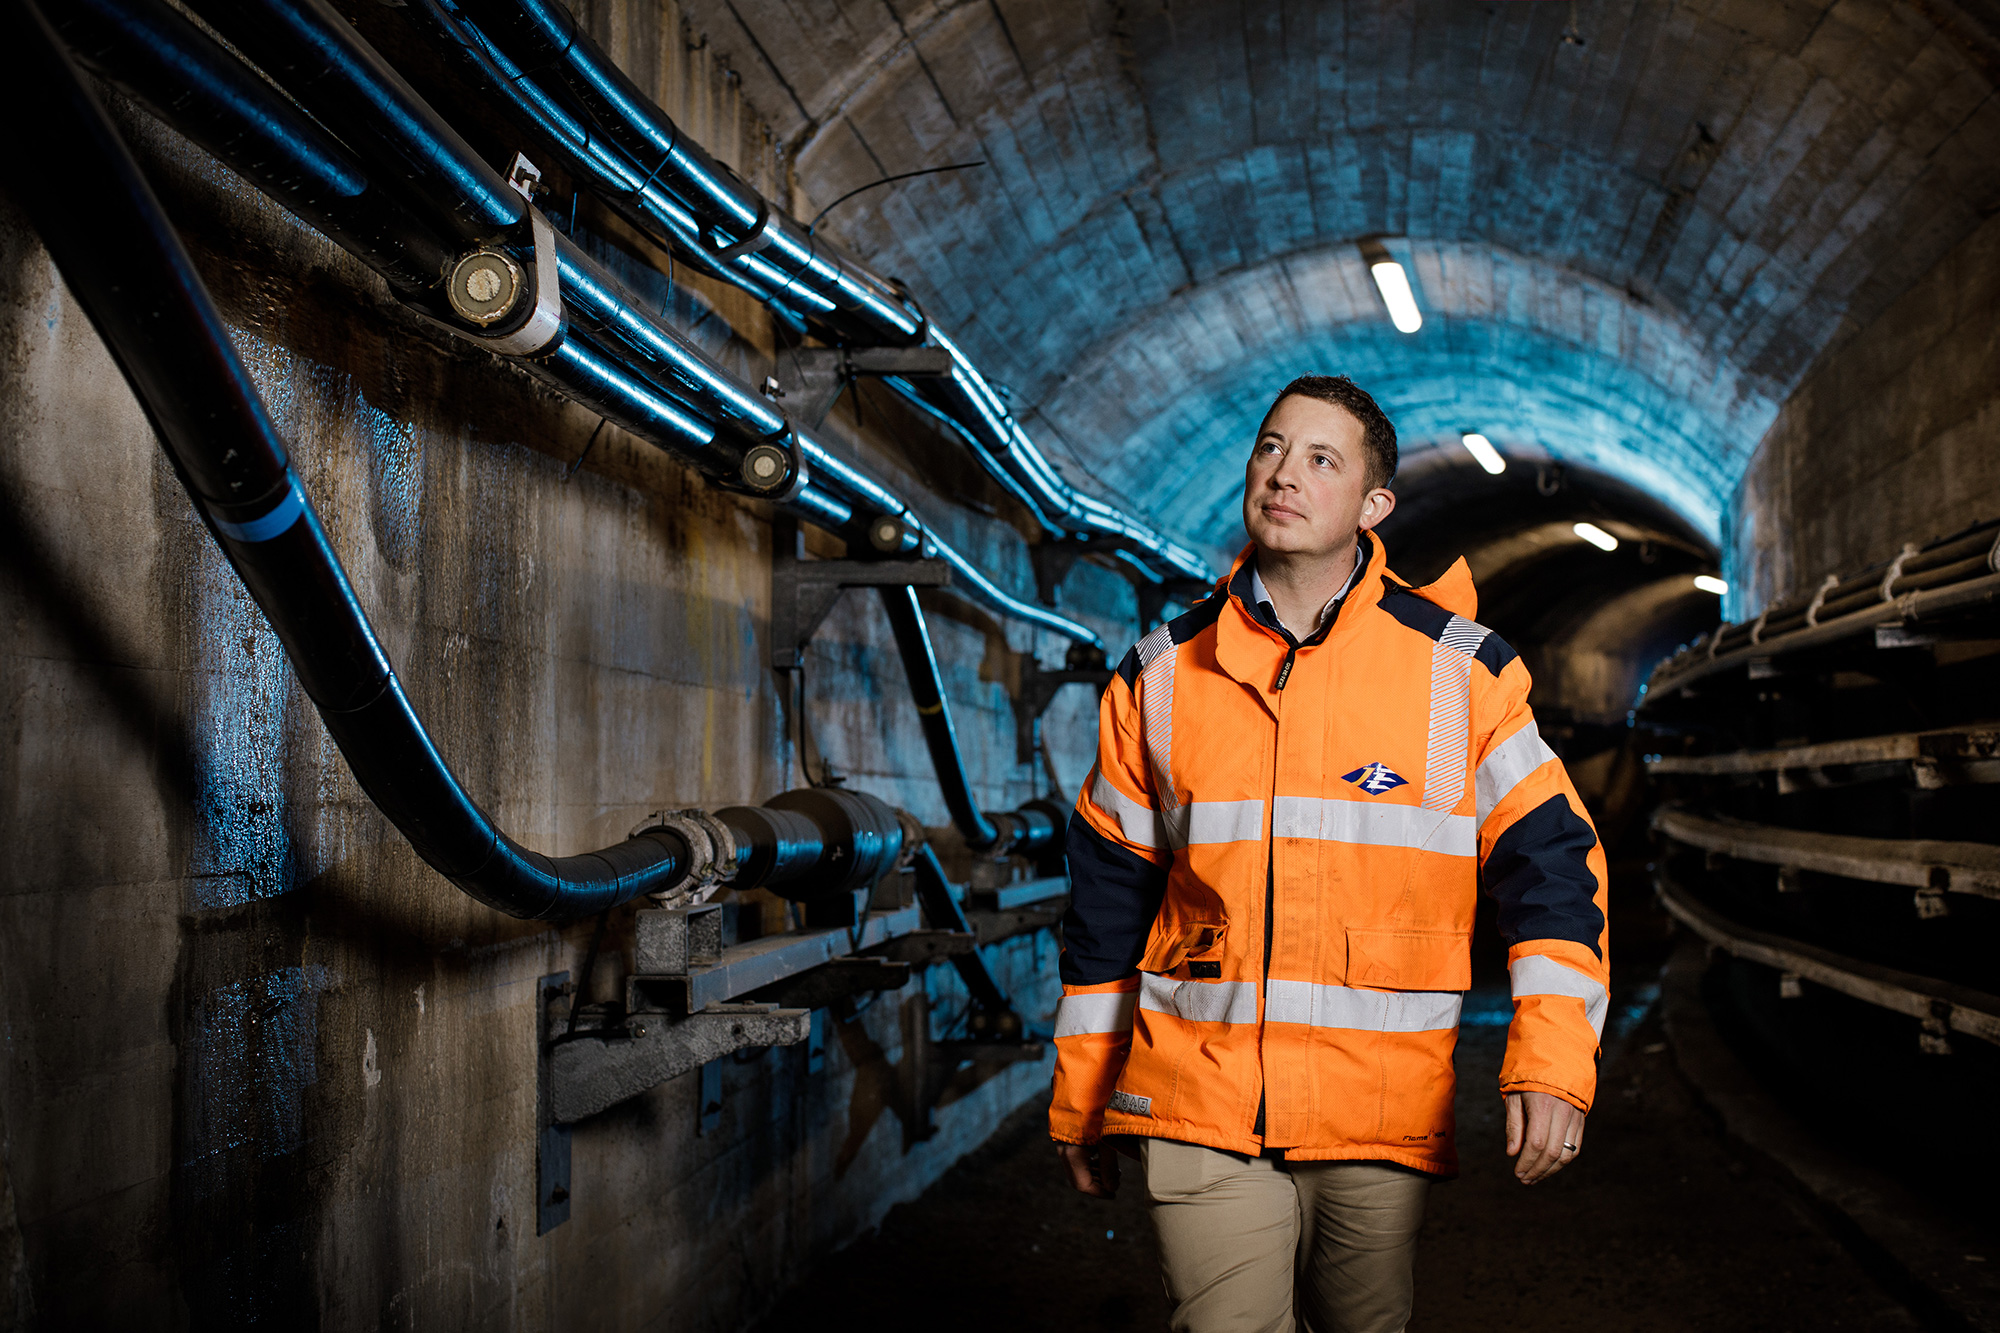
[(1302, 785)]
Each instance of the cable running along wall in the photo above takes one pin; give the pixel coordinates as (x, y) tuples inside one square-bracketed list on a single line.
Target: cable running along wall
[(533, 57), (161, 57)]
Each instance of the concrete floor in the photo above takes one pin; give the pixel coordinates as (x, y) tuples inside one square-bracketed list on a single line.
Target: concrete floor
[(1661, 1225)]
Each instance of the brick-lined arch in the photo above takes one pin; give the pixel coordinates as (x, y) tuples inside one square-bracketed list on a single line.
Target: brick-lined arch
[(1546, 363), (1754, 176)]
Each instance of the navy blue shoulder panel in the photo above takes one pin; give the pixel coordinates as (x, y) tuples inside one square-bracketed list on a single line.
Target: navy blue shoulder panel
[(1197, 617), (1540, 878), (1180, 629), (1114, 897), (1494, 653), (1427, 617)]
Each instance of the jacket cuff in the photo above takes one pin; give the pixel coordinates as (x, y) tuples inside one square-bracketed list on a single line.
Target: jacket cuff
[(1580, 1102)]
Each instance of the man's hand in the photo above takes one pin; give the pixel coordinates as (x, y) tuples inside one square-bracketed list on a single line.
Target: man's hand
[(1544, 1134), (1093, 1168)]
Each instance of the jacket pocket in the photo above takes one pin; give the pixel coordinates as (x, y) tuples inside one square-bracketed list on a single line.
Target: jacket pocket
[(1175, 942), (1410, 959)]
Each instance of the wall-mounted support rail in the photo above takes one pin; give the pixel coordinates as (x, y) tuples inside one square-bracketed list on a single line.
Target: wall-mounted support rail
[(810, 379), (1940, 1006), (676, 972), (1944, 580), (1944, 757), (590, 1072), (1929, 866)]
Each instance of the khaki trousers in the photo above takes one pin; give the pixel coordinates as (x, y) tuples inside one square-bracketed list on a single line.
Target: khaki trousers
[(1247, 1241)]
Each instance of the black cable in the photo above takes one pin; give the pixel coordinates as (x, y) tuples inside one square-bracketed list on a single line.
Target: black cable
[(899, 176), (577, 462), (128, 269)]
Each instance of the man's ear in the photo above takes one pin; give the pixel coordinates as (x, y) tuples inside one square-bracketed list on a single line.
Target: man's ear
[(1378, 505)]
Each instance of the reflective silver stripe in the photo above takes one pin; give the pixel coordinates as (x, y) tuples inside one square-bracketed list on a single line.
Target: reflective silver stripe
[(1100, 1011), (1156, 716), (1364, 1010), (1220, 821), (1506, 765), (1451, 712), (1139, 824), (1376, 825), (1199, 1001), (1539, 974)]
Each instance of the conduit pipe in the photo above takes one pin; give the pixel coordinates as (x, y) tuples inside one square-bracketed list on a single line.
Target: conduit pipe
[(154, 54), (1029, 829), (612, 363), (736, 228), (666, 185), (304, 46), (127, 268)]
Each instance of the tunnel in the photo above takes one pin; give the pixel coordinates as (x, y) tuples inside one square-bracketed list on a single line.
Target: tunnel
[(577, 572)]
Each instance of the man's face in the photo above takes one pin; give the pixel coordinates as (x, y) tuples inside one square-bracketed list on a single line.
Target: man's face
[(1306, 489)]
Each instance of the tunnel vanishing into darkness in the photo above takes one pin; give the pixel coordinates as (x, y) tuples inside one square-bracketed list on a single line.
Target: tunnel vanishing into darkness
[(440, 440)]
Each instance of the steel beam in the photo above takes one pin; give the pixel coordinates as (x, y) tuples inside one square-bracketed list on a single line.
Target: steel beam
[(591, 1072)]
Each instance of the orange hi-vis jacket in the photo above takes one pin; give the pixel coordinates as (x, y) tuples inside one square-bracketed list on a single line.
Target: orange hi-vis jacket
[(1275, 864)]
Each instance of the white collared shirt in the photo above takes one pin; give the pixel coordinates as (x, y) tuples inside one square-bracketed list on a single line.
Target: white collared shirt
[(1262, 597)]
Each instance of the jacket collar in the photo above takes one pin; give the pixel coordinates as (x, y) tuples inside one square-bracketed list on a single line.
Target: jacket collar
[(1249, 647)]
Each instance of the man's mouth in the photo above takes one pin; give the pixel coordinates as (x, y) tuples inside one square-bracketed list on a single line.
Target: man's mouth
[(1279, 511)]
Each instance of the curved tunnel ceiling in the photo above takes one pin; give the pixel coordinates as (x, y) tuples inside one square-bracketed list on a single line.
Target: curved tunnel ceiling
[(1630, 238)]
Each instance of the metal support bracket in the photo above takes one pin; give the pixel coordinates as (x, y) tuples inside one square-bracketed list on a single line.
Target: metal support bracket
[(811, 378), (804, 591), (1054, 560), (544, 321), (593, 1071), (553, 999), (1038, 690)]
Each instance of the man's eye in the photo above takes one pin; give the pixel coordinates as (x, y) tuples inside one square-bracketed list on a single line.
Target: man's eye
[(1322, 460)]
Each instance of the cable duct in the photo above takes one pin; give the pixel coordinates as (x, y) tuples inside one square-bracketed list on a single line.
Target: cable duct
[(128, 270), (606, 354), (153, 312), (611, 135)]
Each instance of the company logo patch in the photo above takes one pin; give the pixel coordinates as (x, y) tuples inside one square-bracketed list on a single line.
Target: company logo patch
[(1375, 778), (1131, 1104)]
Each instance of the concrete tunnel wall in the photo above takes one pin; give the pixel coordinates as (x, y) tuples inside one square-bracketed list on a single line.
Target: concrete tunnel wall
[(260, 1061), (1893, 438), (262, 1065)]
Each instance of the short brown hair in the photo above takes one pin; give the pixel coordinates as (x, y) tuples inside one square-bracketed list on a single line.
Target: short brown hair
[(1340, 391)]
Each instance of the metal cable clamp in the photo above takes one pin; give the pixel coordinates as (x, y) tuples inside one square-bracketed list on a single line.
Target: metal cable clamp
[(1827, 585), (1896, 570), (711, 853)]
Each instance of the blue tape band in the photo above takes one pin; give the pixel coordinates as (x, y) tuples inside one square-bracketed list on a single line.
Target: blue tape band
[(280, 518)]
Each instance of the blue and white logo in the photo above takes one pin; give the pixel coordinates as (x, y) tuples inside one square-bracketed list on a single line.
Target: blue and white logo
[(1375, 778)]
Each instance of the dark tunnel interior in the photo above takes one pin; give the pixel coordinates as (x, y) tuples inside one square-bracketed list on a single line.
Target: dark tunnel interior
[(620, 694)]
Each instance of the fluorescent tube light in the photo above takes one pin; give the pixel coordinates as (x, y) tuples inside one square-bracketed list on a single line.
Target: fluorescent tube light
[(1482, 449), (1394, 285), (1596, 536), (1710, 583)]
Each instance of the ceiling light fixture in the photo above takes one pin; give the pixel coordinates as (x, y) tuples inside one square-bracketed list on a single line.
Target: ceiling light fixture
[(1394, 284), (1710, 583), (1596, 536), (1482, 449)]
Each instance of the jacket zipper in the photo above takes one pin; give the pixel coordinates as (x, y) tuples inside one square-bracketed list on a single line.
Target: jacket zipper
[(1270, 889)]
